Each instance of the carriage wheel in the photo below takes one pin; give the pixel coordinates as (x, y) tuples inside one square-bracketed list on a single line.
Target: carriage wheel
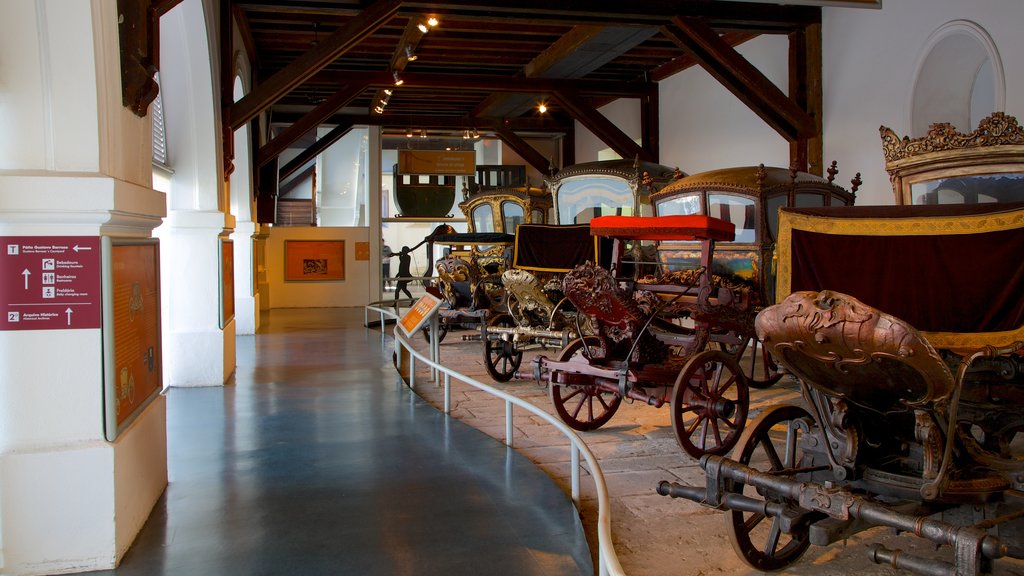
[(760, 367), (500, 356), (442, 331), (769, 446), (709, 404), (583, 407)]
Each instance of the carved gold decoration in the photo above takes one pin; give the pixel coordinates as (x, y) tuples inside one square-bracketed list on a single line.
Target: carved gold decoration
[(997, 129), (530, 298)]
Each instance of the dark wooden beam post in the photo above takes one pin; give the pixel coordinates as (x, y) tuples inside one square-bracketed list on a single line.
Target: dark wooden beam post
[(740, 77), (649, 119), (308, 122), (342, 40), (523, 148), (603, 128), (227, 86), (315, 149), (805, 89)]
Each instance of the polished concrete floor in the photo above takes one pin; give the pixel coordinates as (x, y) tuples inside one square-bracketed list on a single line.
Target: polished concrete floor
[(316, 460)]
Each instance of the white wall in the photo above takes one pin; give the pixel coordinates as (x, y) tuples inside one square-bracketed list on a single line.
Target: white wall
[(870, 58), (704, 127), (624, 113)]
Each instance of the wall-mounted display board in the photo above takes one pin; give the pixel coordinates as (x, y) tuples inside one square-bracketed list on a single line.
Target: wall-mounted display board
[(227, 281), (437, 162), (132, 357), (314, 260)]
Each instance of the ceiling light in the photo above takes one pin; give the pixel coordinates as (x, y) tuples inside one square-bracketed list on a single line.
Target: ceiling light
[(432, 21), (398, 80), (542, 108), (379, 109), (408, 133), (410, 55), (423, 27), (423, 134), (387, 91)]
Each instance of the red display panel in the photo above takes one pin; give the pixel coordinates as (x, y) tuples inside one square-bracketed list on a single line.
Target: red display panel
[(50, 282)]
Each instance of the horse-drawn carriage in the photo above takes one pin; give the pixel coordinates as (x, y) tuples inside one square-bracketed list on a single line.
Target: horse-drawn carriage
[(536, 315), (654, 315), (750, 198), (908, 352)]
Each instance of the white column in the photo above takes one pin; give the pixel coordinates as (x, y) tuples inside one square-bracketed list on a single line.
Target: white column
[(73, 162)]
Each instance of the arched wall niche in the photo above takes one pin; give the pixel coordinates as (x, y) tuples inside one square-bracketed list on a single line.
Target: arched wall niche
[(959, 79)]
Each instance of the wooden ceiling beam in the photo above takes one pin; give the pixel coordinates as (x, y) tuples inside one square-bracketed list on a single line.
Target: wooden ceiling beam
[(416, 121), (315, 149), (563, 48), (309, 121), (741, 78), (484, 83), (603, 128), (523, 148), (685, 61), (340, 41), (754, 16)]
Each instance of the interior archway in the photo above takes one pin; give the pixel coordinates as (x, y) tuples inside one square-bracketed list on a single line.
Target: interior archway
[(959, 79)]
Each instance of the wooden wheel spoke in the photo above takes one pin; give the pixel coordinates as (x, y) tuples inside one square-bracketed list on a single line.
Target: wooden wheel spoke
[(771, 544), (752, 521), (773, 455)]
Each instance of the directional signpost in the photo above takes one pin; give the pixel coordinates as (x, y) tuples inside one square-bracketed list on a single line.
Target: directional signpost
[(50, 282)]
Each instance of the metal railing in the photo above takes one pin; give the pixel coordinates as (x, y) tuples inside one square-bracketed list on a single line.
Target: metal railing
[(608, 561)]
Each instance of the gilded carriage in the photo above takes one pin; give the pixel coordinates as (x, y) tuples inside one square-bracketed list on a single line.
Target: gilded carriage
[(469, 275)]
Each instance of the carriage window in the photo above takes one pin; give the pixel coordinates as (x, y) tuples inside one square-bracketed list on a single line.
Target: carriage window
[(680, 205), (970, 189), (737, 209), (809, 200), (483, 218), (512, 216), (537, 216), (581, 200)]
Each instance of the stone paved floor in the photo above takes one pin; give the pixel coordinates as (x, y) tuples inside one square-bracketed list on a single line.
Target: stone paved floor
[(653, 535)]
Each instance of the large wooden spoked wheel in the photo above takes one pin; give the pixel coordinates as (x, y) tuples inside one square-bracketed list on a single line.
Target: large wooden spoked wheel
[(758, 364), (501, 356), (770, 446), (583, 407), (709, 404), (442, 331)]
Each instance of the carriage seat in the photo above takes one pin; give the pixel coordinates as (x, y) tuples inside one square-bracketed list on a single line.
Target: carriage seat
[(621, 315), (848, 349)]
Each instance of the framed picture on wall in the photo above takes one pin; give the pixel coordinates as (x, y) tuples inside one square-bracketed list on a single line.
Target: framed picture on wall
[(314, 260)]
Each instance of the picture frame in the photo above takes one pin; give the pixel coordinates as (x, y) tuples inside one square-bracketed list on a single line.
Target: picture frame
[(314, 260), (133, 363)]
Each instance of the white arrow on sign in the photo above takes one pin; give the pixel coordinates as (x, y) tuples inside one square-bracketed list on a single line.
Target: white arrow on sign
[(26, 274), (78, 248), (69, 312)]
